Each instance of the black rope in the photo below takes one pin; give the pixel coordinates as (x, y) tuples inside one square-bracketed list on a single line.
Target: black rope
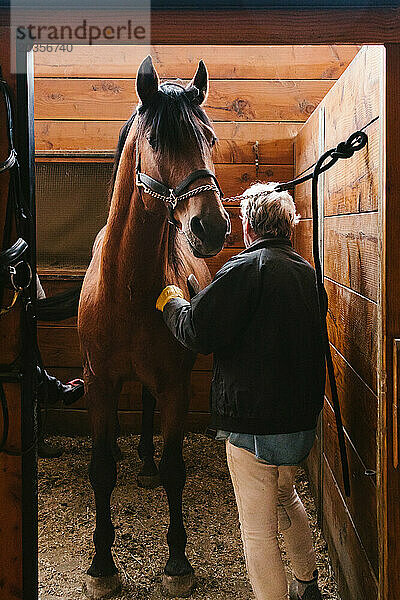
[(59, 307), (300, 179), (354, 143)]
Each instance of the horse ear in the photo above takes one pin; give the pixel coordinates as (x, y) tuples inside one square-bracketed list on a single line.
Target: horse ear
[(200, 82), (146, 80)]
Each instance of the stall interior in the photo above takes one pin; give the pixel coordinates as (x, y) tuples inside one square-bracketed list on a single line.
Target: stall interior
[(275, 110)]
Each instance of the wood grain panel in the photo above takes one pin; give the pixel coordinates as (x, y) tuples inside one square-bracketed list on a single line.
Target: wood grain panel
[(235, 139), (306, 150), (235, 179), (372, 25), (354, 574), (223, 62), (351, 252), (306, 153), (353, 184), (59, 346), (240, 100), (359, 407), (351, 246), (375, 25), (352, 329), (302, 198), (357, 95), (362, 502), (302, 240)]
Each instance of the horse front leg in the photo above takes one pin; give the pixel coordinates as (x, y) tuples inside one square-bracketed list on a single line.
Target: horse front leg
[(102, 579), (148, 476), (178, 578)]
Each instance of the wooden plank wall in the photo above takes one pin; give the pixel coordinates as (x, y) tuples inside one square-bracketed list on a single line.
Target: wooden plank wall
[(257, 93), (351, 193)]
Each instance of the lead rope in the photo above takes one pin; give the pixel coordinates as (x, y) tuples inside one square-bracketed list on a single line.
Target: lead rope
[(355, 142)]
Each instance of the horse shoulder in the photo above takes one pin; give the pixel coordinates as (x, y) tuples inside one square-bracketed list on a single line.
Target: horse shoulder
[(98, 242)]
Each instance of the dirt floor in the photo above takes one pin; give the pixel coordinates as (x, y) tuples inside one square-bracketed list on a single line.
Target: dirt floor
[(66, 521)]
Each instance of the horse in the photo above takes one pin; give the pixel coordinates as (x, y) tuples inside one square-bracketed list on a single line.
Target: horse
[(155, 235)]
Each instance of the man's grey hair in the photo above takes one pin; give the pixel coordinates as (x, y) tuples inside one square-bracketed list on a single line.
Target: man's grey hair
[(269, 213)]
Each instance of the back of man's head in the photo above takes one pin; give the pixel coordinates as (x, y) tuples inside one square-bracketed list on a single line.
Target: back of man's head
[(269, 213)]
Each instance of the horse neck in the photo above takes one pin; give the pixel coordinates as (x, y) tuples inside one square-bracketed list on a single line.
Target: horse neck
[(135, 246)]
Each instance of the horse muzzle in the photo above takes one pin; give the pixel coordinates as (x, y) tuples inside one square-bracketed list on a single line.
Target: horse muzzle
[(206, 236)]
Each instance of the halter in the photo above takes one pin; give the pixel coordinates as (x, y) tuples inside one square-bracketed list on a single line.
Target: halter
[(171, 196)]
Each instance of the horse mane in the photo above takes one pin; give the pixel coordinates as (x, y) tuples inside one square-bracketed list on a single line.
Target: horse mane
[(170, 121), (123, 134)]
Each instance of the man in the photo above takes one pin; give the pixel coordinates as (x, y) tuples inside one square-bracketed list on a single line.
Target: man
[(260, 316)]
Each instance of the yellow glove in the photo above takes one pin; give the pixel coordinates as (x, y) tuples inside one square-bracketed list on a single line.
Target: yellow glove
[(168, 293)]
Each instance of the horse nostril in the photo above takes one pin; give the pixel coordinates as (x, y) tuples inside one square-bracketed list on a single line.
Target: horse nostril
[(197, 228)]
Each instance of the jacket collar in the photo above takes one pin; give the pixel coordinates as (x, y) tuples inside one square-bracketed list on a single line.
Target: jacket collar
[(267, 242)]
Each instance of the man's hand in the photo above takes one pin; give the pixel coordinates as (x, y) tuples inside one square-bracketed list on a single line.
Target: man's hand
[(168, 293)]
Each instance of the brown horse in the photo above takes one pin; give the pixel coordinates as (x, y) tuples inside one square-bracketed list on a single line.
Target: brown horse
[(149, 241)]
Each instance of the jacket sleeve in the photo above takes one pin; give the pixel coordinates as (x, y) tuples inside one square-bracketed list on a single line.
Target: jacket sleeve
[(220, 312)]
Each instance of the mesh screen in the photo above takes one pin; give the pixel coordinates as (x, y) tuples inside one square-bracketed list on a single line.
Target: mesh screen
[(71, 203)]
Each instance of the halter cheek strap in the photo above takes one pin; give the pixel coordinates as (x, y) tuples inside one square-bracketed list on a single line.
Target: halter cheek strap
[(171, 196)]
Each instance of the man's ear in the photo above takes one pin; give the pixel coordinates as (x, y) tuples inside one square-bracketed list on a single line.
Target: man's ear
[(146, 80), (247, 232), (199, 84)]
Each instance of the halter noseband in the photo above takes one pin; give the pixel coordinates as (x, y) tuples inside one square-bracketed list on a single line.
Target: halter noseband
[(171, 196)]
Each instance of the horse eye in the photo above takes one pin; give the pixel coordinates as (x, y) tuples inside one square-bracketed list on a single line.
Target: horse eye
[(153, 142), (213, 141)]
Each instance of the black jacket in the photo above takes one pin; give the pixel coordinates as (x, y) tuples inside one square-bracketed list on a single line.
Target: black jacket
[(260, 317)]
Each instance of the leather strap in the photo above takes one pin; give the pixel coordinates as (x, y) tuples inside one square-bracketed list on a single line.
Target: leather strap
[(163, 190), (199, 174), (9, 256), (153, 184)]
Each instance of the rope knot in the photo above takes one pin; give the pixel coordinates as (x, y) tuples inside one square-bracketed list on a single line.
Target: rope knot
[(343, 150), (355, 142)]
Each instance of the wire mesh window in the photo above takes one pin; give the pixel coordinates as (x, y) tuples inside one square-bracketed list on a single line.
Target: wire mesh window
[(72, 207)]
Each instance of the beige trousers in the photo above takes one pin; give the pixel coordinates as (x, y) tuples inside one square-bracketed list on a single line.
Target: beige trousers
[(265, 494)]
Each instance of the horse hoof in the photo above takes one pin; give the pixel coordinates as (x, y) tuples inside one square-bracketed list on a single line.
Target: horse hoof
[(101, 587), (149, 481), (178, 586)]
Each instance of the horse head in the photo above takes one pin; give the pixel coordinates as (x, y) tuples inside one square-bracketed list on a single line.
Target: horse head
[(174, 141)]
